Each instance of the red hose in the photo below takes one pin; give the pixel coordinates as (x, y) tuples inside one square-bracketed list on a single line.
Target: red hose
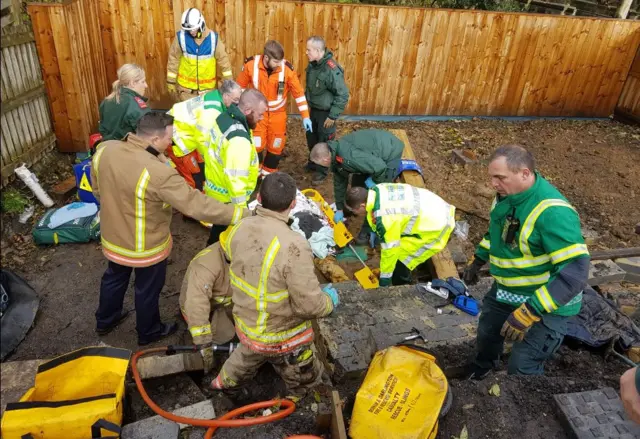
[(212, 424)]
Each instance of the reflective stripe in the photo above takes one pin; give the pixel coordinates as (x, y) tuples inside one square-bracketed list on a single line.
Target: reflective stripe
[(239, 199), (416, 212), (386, 275), (237, 214), (227, 73), (256, 71), (202, 253), (523, 262), (135, 254), (388, 245), (197, 331), (183, 43), (545, 299), (180, 143), (234, 127), (222, 300), (281, 78), (274, 103), (288, 340), (522, 281), (227, 248), (279, 106), (236, 172), (141, 189), (392, 211), (568, 252), (261, 304), (485, 244), (172, 75), (304, 107), (529, 223), (96, 160), (518, 299), (447, 229), (301, 99)]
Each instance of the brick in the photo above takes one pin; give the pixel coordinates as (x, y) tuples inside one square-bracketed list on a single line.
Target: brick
[(601, 272), (594, 414), (157, 427), (65, 189)]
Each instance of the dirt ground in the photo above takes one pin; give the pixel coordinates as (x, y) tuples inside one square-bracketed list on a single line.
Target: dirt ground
[(596, 164)]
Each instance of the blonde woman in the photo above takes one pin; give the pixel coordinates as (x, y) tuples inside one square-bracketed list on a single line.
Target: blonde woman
[(121, 110)]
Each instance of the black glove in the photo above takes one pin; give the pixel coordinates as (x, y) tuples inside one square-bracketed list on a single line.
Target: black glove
[(470, 275)]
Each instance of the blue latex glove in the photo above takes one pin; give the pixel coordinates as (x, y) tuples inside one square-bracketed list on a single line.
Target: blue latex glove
[(372, 239), (333, 293), (306, 123), (385, 282), (338, 216), (369, 183)]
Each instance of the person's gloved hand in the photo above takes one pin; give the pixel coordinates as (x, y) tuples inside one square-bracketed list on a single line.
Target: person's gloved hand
[(328, 123), (519, 322), (306, 123), (385, 281), (470, 275), (338, 216), (207, 358), (369, 183), (333, 293), (372, 239)]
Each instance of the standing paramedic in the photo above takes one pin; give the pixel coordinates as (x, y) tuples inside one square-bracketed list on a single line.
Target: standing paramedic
[(138, 191), (194, 58), (274, 77)]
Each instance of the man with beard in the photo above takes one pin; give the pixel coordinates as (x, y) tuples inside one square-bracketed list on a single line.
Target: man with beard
[(231, 162)]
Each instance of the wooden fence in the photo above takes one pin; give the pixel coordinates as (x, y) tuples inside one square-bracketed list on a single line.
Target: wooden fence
[(629, 103), (398, 61), (26, 132)]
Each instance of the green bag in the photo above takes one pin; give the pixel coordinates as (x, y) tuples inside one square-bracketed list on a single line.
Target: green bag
[(79, 230)]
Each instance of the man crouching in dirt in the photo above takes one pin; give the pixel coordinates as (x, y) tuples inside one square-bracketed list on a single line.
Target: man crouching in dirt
[(275, 294), (538, 260), (205, 293)]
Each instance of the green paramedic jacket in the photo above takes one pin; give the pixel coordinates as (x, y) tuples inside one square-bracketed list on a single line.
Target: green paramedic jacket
[(326, 89), (549, 240), (117, 119), (367, 152)]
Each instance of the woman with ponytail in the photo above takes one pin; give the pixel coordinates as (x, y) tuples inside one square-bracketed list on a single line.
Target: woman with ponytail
[(121, 110)]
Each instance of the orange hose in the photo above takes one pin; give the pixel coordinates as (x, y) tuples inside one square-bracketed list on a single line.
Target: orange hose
[(212, 424)]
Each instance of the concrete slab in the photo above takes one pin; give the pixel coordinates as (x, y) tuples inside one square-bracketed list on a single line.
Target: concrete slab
[(369, 320), (159, 427), (16, 377), (630, 265), (602, 272), (595, 414)]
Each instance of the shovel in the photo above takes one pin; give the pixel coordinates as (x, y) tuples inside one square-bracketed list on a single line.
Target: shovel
[(343, 237)]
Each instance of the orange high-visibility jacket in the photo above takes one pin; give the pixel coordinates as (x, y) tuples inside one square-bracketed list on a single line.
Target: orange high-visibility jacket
[(276, 86)]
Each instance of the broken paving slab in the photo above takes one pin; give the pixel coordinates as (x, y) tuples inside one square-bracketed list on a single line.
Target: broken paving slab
[(157, 427), (632, 268), (16, 377), (370, 320), (595, 414), (602, 272)]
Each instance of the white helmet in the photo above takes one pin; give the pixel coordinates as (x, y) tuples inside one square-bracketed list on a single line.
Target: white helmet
[(192, 19)]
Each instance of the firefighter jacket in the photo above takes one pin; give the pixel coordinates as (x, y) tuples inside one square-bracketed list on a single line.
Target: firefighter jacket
[(376, 153), (136, 191), (193, 61), (231, 162), (193, 121), (413, 224), (275, 84), (545, 262), (326, 89), (275, 289), (205, 286), (117, 119)]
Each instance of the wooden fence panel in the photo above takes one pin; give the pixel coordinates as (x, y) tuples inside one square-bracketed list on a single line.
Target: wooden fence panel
[(398, 61), (26, 133), (629, 103)]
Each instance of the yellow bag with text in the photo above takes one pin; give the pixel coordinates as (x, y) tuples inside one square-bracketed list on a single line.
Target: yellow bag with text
[(402, 396), (76, 396)]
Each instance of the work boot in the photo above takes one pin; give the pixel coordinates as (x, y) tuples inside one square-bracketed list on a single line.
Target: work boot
[(108, 329), (166, 330), (318, 178), (363, 236)]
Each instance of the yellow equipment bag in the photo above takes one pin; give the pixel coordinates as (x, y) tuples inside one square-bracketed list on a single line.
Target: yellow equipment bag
[(76, 396), (401, 397)]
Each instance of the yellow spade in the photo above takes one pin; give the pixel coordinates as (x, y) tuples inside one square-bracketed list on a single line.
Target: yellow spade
[(343, 237)]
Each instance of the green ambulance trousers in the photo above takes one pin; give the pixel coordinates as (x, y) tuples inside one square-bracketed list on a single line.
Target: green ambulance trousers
[(319, 134), (528, 356)]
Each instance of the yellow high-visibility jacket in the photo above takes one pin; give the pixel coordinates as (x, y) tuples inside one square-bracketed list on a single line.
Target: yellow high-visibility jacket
[(413, 224)]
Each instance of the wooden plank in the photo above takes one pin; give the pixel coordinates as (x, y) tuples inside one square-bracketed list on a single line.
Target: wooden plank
[(29, 156), (16, 39), (629, 252), (18, 101), (442, 262), (338, 430)]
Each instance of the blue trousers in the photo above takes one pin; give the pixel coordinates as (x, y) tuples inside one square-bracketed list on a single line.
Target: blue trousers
[(148, 284), (528, 356)]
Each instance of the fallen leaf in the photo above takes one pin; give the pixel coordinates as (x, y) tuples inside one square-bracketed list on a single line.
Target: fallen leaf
[(464, 434), (316, 396), (494, 390), (468, 406)]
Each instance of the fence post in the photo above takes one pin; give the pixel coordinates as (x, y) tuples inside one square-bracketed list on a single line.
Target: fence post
[(623, 9)]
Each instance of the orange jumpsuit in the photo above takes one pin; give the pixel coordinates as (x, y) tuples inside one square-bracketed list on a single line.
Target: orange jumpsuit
[(271, 132)]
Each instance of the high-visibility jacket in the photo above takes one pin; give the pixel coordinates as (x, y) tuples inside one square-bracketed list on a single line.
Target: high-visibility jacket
[(192, 61), (230, 159), (193, 121), (275, 291), (205, 287), (137, 191), (413, 224), (275, 86), (548, 239)]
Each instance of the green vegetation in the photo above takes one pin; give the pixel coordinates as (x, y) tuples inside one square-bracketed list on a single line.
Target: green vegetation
[(488, 5), (13, 201)]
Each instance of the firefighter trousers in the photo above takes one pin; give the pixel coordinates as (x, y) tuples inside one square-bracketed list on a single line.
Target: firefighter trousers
[(300, 369), (271, 135)]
